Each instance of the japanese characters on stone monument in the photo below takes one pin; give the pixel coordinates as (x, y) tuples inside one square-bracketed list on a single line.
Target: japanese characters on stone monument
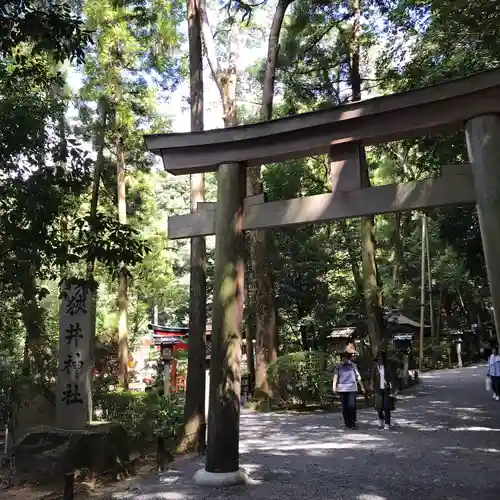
[(74, 394)]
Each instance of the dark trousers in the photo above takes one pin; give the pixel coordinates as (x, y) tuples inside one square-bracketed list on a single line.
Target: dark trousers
[(495, 385), (385, 412), (348, 401)]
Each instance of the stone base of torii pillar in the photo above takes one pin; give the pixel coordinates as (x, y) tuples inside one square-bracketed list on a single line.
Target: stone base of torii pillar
[(204, 478)]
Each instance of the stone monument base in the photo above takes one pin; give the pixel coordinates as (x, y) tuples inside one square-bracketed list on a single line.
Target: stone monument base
[(45, 453), (204, 478)]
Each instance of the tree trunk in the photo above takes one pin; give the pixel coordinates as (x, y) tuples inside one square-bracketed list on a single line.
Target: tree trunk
[(429, 285), (438, 317), (373, 296), (122, 273), (304, 338), (458, 346), (463, 308), (262, 296), (422, 292), (37, 352), (272, 58), (261, 286), (250, 361), (483, 134), (32, 316), (194, 409), (250, 326), (353, 257), (398, 274), (103, 114)]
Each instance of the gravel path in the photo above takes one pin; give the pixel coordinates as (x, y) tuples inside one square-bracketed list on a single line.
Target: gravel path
[(445, 446)]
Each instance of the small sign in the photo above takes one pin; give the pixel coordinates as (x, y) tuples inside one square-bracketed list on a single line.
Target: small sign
[(403, 336), (166, 353), (167, 339)]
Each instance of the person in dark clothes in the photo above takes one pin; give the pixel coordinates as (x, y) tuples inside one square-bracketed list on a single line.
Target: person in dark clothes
[(345, 382), (382, 390)]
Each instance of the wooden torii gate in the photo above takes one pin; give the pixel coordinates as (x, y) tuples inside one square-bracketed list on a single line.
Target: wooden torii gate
[(471, 103)]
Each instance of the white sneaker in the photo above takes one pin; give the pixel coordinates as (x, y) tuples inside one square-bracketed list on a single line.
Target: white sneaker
[(387, 427), (494, 396), (497, 398)]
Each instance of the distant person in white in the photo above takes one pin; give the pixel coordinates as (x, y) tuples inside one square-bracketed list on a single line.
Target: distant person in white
[(346, 378), (382, 390), (494, 373)]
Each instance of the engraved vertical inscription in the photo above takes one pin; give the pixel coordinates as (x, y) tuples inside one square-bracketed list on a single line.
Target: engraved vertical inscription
[(75, 354)]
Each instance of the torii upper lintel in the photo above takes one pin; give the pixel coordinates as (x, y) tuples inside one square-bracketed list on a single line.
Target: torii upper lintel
[(439, 108)]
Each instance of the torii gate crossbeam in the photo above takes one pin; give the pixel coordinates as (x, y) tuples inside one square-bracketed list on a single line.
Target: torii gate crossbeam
[(454, 187)]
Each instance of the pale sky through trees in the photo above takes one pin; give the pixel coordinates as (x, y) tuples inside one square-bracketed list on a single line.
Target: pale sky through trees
[(176, 106)]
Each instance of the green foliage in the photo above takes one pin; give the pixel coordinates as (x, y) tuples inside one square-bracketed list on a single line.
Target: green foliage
[(299, 378), (404, 44), (32, 211), (43, 172), (45, 26), (134, 62), (144, 416), (109, 242)]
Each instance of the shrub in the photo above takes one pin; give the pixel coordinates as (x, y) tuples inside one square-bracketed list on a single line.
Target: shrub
[(301, 377), (144, 416)]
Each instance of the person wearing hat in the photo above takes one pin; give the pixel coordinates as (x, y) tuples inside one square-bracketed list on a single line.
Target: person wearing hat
[(346, 378)]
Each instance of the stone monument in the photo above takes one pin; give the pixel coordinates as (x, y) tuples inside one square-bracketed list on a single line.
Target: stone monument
[(74, 393)]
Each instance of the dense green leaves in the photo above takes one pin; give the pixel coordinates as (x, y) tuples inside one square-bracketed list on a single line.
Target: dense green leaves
[(46, 173), (46, 27)]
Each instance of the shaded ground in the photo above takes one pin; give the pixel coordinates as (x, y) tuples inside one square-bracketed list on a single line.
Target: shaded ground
[(98, 489), (446, 446)]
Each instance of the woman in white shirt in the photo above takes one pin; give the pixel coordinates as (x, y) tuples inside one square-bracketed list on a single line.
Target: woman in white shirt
[(346, 378), (494, 373)]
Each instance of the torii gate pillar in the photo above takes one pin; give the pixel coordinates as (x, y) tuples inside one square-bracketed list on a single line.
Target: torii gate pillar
[(483, 144), (222, 461)]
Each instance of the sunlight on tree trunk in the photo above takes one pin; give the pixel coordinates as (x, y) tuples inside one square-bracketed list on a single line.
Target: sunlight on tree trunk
[(122, 273), (194, 409)]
